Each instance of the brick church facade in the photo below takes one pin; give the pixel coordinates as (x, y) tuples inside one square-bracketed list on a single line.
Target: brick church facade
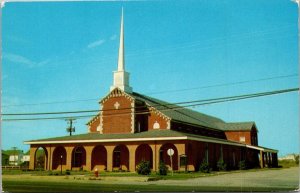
[(131, 127)]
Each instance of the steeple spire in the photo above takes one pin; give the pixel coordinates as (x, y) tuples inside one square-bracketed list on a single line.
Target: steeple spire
[(121, 77), (121, 62)]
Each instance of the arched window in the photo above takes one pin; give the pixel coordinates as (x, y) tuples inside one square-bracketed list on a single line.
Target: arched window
[(156, 125)]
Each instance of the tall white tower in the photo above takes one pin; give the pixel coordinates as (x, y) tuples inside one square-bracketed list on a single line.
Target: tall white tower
[(121, 77)]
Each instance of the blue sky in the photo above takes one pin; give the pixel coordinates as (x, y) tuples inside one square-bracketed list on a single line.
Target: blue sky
[(66, 51)]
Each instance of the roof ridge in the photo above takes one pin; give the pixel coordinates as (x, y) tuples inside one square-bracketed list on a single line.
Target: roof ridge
[(158, 101)]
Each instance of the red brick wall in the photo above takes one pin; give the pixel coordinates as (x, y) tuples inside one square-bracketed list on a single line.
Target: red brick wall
[(153, 117), (94, 124), (235, 136), (117, 120)]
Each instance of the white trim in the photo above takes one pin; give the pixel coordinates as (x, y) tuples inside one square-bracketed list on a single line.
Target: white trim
[(132, 116), (215, 141), (169, 124), (107, 140), (262, 149), (135, 139), (152, 139)]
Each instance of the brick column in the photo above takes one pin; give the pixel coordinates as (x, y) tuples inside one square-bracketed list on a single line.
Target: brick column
[(261, 159), (109, 149), (155, 149), (155, 155), (69, 158), (181, 150), (50, 156), (32, 157), (132, 149), (88, 163)]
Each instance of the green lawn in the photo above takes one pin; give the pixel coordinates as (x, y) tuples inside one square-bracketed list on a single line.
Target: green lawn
[(25, 186), (274, 179), (175, 176)]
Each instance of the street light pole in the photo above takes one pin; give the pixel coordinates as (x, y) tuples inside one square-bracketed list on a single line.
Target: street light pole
[(61, 164)]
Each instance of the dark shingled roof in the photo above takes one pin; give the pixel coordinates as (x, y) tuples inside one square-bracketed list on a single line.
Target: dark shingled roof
[(93, 136), (146, 134), (185, 115), (179, 113), (239, 126)]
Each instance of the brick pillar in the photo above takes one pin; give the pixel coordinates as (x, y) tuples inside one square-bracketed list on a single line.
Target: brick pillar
[(181, 150), (267, 158), (32, 157), (155, 149), (50, 155), (88, 153), (155, 155), (261, 159), (69, 158), (109, 149), (132, 149)]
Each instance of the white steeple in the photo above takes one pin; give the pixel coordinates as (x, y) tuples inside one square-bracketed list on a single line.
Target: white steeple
[(121, 77)]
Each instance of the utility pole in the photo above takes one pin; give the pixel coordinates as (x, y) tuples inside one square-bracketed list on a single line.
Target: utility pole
[(70, 129)]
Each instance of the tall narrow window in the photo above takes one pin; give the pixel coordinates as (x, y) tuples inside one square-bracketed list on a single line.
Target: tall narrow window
[(221, 152), (206, 152), (183, 161), (161, 155), (138, 127), (117, 157), (233, 157)]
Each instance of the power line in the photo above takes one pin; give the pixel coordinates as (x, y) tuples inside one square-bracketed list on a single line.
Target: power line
[(225, 84), (173, 106), (162, 92)]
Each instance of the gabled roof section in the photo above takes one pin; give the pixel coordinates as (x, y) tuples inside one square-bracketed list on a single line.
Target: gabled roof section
[(115, 93), (239, 126), (179, 113), (93, 119)]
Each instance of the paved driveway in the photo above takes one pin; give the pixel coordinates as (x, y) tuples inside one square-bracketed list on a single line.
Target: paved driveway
[(279, 178)]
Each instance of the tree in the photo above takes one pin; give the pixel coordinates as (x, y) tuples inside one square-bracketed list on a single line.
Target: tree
[(297, 159)]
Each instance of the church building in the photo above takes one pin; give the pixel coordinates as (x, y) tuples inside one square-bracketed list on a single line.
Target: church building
[(131, 127)]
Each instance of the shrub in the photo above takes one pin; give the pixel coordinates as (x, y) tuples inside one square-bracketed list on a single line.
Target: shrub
[(242, 165), (144, 168), (204, 167), (221, 165), (162, 169), (297, 159)]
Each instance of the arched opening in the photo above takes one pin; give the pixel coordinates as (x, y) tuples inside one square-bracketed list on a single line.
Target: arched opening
[(164, 157), (78, 157), (121, 158), (99, 158), (41, 159), (59, 159), (144, 153)]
